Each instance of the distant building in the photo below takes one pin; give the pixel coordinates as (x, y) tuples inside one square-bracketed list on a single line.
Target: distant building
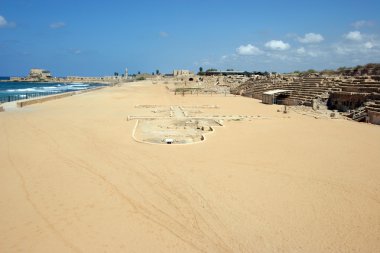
[(126, 73), (227, 73), (39, 74), (182, 72)]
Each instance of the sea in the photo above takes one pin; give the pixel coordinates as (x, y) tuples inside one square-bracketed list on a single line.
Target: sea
[(11, 91)]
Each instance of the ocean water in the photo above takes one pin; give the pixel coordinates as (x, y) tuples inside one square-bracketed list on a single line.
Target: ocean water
[(11, 91)]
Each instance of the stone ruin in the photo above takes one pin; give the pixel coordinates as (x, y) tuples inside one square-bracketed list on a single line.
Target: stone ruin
[(175, 124), (206, 84), (357, 97)]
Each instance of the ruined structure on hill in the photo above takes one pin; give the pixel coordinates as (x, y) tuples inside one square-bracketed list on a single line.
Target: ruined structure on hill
[(371, 69), (40, 74), (206, 84)]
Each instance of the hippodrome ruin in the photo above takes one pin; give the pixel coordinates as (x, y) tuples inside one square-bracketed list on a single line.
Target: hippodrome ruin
[(354, 94), (223, 162), (177, 124)]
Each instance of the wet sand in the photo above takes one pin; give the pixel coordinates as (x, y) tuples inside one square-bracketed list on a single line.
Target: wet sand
[(72, 179)]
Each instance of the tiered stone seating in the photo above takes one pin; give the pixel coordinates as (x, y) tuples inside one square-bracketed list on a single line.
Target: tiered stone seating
[(308, 89), (255, 88), (361, 86), (357, 96), (302, 91), (347, 93), (263, 87), (373, 112), (373, 106)]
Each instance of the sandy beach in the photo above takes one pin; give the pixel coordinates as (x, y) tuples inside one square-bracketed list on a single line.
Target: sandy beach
[(72, 179)]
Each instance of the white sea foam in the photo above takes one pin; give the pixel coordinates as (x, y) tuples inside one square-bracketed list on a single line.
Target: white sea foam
[(78, 88), (79, 85), (23, 90), (61, 87)]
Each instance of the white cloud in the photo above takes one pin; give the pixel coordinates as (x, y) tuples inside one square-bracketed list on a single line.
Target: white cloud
[(343, 49), (3, 21), (311, 38), (309, 52), (301, 50), (355, 36), (277, 45), (369, 48), (164, 34), (362, 23), (248, 50), (283, 56), (368, 45), (277, 55), (75, 51), (57, 25), (314, 54)]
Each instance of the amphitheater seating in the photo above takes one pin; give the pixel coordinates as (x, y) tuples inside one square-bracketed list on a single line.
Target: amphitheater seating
[(304, 90), (373, 106)]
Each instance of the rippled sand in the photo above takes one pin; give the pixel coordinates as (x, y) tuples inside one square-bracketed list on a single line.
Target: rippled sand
[(72, 178)]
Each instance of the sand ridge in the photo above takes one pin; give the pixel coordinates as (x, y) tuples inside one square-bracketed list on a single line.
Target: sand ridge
[(74, 180)]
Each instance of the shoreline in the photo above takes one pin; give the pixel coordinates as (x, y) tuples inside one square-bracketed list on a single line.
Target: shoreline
[(61, 81), (42, 99), (15, 91)]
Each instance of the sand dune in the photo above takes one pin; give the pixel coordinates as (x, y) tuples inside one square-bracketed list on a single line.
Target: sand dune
[(74, 180)]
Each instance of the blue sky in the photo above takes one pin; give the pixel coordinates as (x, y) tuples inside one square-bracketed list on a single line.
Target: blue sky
[(96, 38)]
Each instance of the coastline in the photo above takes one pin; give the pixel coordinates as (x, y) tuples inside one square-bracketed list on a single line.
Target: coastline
[(15, 91), (30, 101), (61, 81), (43, 99)]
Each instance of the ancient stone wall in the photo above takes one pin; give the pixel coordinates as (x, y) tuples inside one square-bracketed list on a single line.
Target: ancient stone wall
[(374, 117), (44, 99), (344, 101)]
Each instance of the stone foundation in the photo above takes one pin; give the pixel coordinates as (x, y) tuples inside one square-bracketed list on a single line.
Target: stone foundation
[(44, 99), (344, 101), (374, 117)]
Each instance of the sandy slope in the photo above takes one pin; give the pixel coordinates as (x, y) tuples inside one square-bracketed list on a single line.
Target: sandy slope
[(73, 179)]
